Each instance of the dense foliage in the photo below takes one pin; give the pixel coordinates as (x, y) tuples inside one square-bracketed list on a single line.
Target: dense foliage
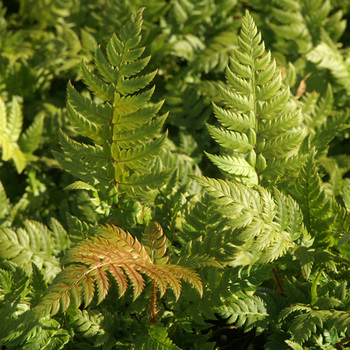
[(175, 176)]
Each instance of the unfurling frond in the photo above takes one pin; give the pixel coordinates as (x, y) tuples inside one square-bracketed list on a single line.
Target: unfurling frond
[(114, 253), (122, 126), (260, 130)]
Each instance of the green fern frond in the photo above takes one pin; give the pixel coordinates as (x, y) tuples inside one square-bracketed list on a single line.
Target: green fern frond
[(322, 122), (206, 232), (155, 338), (16, 145), (247, 312), (121, 121), (38, 285), (290, 24), (305, 324), (340, 320), (48, 334), (268, 224), (316, 114), (297, 25), (215, 55), (34, 242), (116, 252), (13, 282), (313, 200), (235, 166), (92, 325), (4, 205), (329, 57), (257, 125)]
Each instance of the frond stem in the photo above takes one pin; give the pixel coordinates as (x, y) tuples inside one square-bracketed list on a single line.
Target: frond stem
[(153, 311)]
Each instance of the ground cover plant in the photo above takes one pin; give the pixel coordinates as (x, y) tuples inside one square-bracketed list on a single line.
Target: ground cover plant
[(175, 176)]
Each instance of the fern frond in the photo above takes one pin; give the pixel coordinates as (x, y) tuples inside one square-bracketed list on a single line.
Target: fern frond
[(268, 224), (121, 122), (4, 205), (305, 324), (48, 334), (16, 145), (216, 53), (116, 252), (235, 166), (33, 242), (91, 324), (155, 338), (255, 101), (247, 312), (329, 57), (13, 283), (340, 320), (38, 285), (29, 141), (313, 200), (206, 233), (84, 106)]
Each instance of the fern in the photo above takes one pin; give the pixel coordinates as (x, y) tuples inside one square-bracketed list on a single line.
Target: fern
[(34, 242), (116, 252), (4, 205), (316, 206), (262, 239), (262, 134), (297, 24), (205, 232), (327, 56), (123, 126), (157, 338), (16, 145), (261, 140), (248, 312), (93, 325), (268, 225)]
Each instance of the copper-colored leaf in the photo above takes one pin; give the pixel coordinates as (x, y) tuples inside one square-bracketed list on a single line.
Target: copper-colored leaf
[(121, 255)]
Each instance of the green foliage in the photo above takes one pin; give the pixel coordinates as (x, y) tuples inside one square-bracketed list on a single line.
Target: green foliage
[(122, 126), (14, 144), (261, 132), (123, 121), (35, 243)]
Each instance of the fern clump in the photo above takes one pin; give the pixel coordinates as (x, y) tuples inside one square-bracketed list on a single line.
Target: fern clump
[(266, 135), (120, 122), (258, 240)]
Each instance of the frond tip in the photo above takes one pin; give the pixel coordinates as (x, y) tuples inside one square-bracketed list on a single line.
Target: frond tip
[(256, 124), (116, 253)]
